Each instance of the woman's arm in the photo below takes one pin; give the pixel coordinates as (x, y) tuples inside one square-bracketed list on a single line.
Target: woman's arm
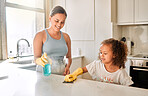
[(68, 56), (37, 45)]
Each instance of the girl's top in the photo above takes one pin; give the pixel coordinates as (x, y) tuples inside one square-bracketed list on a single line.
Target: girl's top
[(98, 72)]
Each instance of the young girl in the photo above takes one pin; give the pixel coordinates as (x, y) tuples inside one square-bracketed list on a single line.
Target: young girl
[(110, 67)]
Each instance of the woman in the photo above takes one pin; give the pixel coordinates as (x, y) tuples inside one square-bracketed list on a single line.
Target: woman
[(55, 43)]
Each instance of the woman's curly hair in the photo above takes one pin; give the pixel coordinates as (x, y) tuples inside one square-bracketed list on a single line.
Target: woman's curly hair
[(119, 49)]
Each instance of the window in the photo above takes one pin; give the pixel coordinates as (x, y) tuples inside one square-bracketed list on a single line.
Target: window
[(24, 18)]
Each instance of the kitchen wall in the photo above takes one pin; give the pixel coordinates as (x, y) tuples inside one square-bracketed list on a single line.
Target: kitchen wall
[(139, 35), (3, 43), (102, 29)]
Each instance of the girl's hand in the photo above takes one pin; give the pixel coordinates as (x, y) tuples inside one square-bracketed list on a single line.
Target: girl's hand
[(67, 71)]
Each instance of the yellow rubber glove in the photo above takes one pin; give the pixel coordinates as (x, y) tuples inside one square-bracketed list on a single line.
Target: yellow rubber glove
[(43, 60), (73, 76)]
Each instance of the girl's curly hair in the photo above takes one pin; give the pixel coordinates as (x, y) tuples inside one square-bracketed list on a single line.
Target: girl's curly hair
[(119, 49)]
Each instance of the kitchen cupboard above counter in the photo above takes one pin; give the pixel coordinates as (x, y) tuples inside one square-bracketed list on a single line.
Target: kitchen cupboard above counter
[(31, 83), (131, 12)]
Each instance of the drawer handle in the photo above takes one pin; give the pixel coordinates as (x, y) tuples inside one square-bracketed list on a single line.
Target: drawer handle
[(140, 69)]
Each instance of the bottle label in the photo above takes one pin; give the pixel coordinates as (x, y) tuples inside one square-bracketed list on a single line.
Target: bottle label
[(47, 70)]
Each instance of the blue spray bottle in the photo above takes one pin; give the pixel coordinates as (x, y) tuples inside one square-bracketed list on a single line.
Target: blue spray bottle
[(47, 68)]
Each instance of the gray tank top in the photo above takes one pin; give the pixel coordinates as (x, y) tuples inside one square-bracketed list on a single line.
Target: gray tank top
[(56, 49)]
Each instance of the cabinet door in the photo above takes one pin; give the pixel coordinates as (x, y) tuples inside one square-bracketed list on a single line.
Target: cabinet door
[(141, 11), (125, 12)]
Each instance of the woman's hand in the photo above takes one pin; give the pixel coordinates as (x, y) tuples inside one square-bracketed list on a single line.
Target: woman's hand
[(67, 71), (42, 60), (72, 77)]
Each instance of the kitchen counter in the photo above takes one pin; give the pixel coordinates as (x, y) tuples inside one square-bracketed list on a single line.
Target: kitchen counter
[(21, 82), (136, 58), (79, 56)]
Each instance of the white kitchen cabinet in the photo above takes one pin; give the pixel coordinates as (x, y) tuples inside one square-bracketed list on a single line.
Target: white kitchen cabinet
[(130, 12), (125, 10), (141, 11)]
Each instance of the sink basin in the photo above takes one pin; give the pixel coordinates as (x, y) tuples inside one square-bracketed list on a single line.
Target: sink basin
[(3, 77), (31, 67), (23, 62)]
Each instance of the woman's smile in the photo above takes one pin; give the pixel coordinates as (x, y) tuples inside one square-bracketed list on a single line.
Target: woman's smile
[(58, 27)]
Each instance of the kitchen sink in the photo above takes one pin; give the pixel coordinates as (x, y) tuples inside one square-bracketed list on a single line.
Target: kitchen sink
[(3, 77), (23, 62), (31, 67)]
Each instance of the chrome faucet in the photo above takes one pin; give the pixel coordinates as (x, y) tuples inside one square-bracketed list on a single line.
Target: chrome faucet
[(18, 45)]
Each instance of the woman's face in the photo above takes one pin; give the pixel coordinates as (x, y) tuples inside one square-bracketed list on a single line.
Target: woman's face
[(57, 21), (106, 54)]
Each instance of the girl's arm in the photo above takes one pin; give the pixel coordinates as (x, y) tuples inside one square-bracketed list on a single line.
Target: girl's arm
[(84, 70)]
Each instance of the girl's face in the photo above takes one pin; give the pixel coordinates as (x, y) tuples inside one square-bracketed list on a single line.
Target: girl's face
[(106, 54), (57, 21)]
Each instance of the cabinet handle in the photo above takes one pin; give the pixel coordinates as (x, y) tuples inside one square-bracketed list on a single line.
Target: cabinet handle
[(140, 69)]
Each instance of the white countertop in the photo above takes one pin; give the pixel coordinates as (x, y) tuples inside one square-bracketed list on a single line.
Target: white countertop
[(28, 60), (32, 58), (77, 56), (21, 82), (136, 58)]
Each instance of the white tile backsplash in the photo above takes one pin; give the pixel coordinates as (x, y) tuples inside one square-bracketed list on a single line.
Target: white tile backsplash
[(139, 35)]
